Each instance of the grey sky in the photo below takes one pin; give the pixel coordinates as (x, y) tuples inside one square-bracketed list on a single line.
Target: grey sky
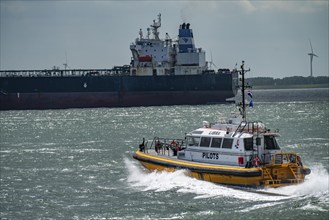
[(271, 36)]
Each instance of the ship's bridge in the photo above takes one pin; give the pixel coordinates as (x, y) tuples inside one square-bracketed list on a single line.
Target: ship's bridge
[(153, 56)]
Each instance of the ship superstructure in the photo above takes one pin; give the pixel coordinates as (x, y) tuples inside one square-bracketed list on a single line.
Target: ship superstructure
[(153, 56)]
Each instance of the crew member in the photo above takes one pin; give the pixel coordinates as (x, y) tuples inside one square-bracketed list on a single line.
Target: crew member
[(175, 147), (158, 147), (142, 146), (256, 161)]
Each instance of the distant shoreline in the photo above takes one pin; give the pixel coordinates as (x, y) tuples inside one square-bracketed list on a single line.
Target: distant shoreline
[(300, 86)]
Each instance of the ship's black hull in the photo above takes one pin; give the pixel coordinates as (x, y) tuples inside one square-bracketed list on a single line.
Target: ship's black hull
[(114, 91)]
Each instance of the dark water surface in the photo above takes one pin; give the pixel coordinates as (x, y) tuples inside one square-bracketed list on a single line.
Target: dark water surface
[(76, 163)]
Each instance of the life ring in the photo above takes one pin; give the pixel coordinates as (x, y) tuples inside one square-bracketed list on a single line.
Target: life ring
[(256, 161)]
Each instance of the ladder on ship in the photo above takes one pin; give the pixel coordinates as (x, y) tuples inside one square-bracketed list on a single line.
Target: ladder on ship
[(294, 171), (269, 180)]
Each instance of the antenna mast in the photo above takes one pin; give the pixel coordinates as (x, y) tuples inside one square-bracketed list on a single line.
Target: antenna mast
[(243, 86), (155, 27), (65, 64)]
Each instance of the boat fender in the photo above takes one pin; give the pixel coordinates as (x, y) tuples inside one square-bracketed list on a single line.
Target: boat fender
[(256, 161)]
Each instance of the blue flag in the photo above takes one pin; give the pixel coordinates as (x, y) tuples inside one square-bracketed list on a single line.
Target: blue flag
[(250, 94), (251, 104)]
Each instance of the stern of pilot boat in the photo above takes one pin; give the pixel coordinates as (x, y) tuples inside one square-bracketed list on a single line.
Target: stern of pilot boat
[(285, 169)]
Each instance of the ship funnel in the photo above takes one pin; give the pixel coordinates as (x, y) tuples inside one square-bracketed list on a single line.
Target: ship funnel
[(186, 42)]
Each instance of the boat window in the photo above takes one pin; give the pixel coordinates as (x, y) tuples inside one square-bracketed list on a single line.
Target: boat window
[(270, 143), (205, 142), (193, 141), (227, 143), (292, 158), (258, 141), (278, 159), (216, 142), (248, 143)]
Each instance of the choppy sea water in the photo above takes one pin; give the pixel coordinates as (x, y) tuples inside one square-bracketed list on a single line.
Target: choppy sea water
[(77, 164)]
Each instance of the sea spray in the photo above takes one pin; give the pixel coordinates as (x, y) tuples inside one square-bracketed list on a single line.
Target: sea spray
[(178, 181), (315, 188), (317, 183)]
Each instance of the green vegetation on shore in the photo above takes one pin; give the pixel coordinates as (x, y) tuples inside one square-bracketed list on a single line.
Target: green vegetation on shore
[(289, 82)]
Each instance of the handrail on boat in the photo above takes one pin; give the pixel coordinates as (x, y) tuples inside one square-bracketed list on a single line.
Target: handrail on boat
[(250, 127), (285, 158), (166, 141), (160, 145)]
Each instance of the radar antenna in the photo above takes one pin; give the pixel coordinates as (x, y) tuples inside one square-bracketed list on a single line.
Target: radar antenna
[(155, 27), (148, 33), (140, 34)]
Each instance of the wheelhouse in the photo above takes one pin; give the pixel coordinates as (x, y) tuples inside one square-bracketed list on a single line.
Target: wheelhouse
[(229, 148)]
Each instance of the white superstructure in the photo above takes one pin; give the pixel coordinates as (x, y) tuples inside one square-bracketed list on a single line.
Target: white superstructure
[(232, 143), (153, 56)]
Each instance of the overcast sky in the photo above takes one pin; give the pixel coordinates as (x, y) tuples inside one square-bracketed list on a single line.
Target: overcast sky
[(271, 36)]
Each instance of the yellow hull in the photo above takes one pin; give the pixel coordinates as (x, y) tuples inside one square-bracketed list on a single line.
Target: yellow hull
[(272, 176), (216, 178)]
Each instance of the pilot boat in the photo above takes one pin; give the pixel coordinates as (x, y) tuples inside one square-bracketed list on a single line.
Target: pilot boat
[(236, 152)]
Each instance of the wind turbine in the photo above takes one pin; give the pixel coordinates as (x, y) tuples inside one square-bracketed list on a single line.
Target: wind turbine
[(311, 58), (211, 62)]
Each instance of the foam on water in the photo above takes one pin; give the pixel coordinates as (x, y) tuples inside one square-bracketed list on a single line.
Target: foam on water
[(165, 181), (311, 207), (260, 206), (316, 184)]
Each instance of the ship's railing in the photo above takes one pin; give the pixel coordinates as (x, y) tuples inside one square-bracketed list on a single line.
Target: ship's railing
[(117, 70), (166, 145), (285, 158), (250, 127), (282, 158)]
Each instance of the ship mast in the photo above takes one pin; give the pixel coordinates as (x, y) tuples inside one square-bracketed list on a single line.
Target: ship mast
[(155, 27), (243, 86)]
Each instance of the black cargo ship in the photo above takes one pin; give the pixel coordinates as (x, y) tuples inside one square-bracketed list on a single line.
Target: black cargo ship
[(161, 72)]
